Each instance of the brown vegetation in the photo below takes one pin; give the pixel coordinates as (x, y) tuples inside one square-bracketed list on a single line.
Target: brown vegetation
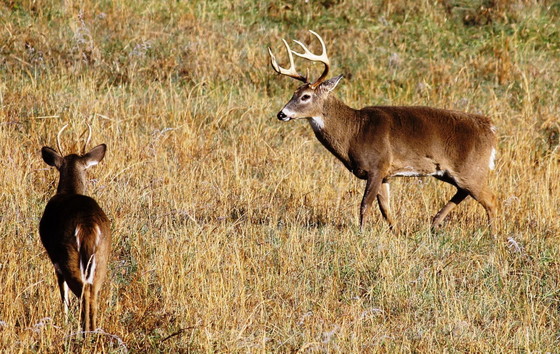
[(233, 232)]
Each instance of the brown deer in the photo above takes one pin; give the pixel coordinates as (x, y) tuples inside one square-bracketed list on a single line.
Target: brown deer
[(75, 230), (379, 142)]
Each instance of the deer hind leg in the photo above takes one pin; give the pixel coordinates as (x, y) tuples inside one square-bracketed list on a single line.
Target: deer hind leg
[(86, 307), (453, 202), (93, 308), (384, 201), (488, 201)]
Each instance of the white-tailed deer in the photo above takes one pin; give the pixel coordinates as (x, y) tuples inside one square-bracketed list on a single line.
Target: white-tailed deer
[(75, 231), (379, 142)]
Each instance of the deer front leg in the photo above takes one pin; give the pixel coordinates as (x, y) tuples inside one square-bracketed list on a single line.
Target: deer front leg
[(457, 198), (373, 184), (383, 199)]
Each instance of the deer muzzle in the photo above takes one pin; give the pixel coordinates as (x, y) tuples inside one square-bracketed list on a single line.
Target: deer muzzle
[(282, 116)]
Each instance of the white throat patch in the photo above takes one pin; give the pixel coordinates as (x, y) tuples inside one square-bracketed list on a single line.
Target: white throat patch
[(317, 123)]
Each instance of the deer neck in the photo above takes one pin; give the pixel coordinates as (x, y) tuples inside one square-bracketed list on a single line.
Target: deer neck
[(71, 182), (335, 127)]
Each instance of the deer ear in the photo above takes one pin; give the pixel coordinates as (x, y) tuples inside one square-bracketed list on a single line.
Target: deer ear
[(51, 157), (330, 84), (96, 154)]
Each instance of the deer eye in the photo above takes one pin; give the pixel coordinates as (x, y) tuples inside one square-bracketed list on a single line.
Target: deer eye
[(305, 97)]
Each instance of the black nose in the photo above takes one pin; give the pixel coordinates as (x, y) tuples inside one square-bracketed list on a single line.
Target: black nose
[(281, 115)]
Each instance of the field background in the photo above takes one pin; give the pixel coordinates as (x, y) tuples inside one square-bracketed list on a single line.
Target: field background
[(235, 232)]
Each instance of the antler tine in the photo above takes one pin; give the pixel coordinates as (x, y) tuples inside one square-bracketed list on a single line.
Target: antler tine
[(87, 140), (323, 58), (291, 72), (58, 139)]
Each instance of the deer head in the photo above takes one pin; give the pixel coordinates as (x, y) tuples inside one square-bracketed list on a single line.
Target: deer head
[(72, 167), (309, 99)]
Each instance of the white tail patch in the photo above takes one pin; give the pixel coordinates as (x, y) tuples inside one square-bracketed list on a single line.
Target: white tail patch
[(88, 271), (491, 163)]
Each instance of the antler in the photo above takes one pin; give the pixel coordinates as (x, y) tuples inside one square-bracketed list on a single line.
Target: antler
[(291, 72), (323, 58), (58, 139), (87, 140)]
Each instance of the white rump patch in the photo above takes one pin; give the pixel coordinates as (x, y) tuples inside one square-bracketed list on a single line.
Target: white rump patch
[(491, 163), (493, 129), (76, 235), (82, 270), (317, 123)]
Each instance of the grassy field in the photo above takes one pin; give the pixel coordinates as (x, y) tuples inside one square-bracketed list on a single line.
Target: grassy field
[(235, 232)]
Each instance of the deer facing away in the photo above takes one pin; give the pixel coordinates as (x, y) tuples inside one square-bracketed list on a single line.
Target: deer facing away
[(379, 142), (75, 231)]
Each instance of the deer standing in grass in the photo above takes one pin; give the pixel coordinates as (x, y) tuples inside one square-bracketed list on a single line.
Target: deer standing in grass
[(75, 230), (379, 142)]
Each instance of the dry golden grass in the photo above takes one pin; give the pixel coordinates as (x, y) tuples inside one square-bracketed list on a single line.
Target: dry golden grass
[(234, 232)]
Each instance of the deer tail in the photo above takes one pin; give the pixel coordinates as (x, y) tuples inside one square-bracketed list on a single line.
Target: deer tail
[(87, 239)]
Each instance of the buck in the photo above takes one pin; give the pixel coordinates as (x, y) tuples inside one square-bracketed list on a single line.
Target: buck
[(379, 142), (75, 230)]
